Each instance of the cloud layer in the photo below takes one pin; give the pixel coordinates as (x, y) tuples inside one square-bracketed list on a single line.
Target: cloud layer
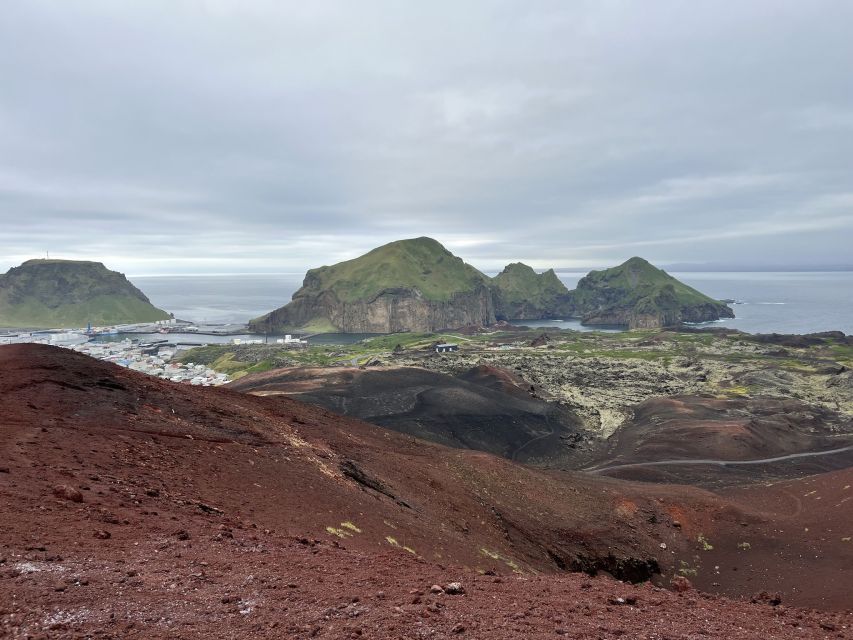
[(213, 136)]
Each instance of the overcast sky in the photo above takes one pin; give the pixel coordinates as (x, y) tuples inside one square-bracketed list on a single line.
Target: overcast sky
[(247, 136)]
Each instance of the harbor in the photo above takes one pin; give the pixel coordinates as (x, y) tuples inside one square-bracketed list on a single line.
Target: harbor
[(151, 348), (154, 348)]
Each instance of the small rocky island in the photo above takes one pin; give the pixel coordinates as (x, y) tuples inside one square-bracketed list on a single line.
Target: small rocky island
[(522, 294), (71, 293), (638, 295), (418, 285)]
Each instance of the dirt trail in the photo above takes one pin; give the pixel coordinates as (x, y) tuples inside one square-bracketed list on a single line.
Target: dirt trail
[(722, 463)]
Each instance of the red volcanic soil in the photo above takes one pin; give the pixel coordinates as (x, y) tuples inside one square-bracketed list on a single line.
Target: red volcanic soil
[(133, 507), (806, 530), (728, 429)]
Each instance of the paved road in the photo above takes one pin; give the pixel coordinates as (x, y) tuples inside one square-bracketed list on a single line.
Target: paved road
[(723, 463)]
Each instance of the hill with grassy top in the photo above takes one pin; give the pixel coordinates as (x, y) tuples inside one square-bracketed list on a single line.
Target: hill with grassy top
[(418, 285), (70, 293), (407, 285), (640, 295), (420, 263), (522, 294)]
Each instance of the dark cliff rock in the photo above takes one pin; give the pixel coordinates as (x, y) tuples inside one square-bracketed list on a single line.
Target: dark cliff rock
[(389, 311)]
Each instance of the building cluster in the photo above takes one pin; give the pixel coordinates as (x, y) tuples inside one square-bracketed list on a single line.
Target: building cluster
[(287, 340), (55, 338), (155, 360)]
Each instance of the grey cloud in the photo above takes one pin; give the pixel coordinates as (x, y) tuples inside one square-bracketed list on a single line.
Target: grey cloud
[(222, 136)]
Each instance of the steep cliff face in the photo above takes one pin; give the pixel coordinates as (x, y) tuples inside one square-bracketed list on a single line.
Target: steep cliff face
[(390, 311), (70, 293), (522, 294), (641, 296), (409, 285)]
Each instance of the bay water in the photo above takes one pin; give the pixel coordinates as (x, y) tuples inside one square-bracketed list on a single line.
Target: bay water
[(782, 302)]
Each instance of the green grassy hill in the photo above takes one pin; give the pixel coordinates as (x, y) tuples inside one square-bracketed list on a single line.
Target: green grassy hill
[(419, 263), (408, 285), (521, 293), (637, 288), (418, 285), (70, 293)]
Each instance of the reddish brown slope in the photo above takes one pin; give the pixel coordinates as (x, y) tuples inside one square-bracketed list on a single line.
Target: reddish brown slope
[(803, 540), (192, 498), (295, 468)]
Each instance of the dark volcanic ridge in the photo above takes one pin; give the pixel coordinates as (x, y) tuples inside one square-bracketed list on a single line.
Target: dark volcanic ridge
[(690, 439), (486, 409)]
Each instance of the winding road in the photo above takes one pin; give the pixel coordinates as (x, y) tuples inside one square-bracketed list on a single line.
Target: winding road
[(722, 463)]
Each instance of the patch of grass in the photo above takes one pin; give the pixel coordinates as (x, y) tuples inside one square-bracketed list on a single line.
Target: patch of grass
[(737, 391), (623, 354), (494, 555), (319, 325), (704, 544)]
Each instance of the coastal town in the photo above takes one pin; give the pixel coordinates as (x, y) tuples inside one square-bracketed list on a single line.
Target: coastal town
[(154, 358), (150, 348)]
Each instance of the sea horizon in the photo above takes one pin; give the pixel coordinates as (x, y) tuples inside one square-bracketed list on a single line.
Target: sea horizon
[(767, 301)]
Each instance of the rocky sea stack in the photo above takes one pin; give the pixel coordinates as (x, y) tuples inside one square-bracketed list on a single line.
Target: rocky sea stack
[(522, 294), (71, 293), (638, 295), (408, 285)]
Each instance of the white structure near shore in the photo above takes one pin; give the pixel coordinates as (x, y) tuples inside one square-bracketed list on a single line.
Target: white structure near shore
[(152, 359)]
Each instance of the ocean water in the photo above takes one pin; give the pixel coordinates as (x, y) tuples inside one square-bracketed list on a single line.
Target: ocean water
[(220, 299), (782, 302)]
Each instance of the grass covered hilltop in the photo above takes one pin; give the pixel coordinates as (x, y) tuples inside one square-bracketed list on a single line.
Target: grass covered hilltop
[(408, 285), (421, 263), (640, 295), (523, 294), (418, 285), (70, 293)]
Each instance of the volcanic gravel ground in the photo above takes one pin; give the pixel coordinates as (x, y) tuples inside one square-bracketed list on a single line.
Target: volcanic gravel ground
[(132, 507), (258, 585)]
